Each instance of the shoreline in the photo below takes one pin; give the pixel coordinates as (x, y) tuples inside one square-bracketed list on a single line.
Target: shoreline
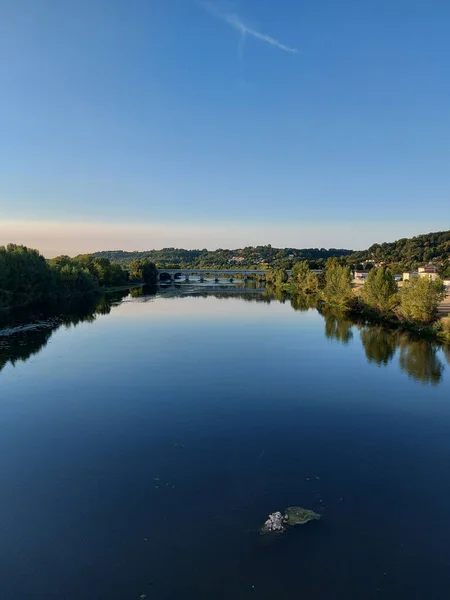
[(373, 318)]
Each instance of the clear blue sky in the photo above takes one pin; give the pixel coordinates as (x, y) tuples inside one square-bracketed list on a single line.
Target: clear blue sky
[(183, 122)]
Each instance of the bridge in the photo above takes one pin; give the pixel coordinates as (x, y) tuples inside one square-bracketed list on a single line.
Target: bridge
[(172, 274), (260, 274)]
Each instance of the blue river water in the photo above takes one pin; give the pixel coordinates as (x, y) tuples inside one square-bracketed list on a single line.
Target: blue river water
[(143, 445)]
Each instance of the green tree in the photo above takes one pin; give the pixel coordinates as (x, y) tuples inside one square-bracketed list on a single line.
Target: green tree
[(25, 276), (420, 298), (380, 291), (281, 277), (305, 280), (338, 284), (74, 280), (143, 269)]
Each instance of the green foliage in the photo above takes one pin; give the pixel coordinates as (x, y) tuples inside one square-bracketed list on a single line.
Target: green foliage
[(106, 273), (380, 291), (281, 277), (259, 257), (25, 276), (408, 251), (143, 269), (306, 281), (444, 270), (338, 287), (419, 299), (74, 279)]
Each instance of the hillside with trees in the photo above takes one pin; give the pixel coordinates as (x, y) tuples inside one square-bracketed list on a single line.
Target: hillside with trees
[(403, 254), (248, 257), (409, 252)]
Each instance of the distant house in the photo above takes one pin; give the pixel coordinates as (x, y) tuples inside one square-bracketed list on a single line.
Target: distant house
[(429, 271), (237, 259), (360, 275), (410, 275)]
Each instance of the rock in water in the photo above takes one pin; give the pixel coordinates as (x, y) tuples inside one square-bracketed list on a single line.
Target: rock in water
[(296, 515), (274, 524)]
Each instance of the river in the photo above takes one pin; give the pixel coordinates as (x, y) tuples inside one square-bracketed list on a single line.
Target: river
[(144, 441)]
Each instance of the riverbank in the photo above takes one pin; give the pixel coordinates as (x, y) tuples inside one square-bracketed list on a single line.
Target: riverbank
[(439, 330)]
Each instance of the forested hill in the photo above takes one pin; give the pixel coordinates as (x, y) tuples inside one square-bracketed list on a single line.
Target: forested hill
[(409, 251), (246, 257)]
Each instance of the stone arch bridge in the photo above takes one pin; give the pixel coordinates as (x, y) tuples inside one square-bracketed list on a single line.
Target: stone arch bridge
[(183, 274), (174, 274)]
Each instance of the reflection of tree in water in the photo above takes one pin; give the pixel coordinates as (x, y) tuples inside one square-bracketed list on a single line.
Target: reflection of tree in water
[(257, 296), (23, 345), (337, 326), (420, 361), (446, 350), (146, 293), (379, 344), (23, 341), (303, 302)]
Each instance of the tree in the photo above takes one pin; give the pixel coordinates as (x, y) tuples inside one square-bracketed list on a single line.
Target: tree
[(74, 280), (143, 269), (338, 286), (25, 276), (302, 276), (444, 270), (281, 277), (419, 299), (380, 290)]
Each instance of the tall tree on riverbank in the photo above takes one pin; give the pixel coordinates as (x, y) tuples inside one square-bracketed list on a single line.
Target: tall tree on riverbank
[(338, 284), (420, 298), (306, 281), (25, 276), (380, 291), (144, 270)]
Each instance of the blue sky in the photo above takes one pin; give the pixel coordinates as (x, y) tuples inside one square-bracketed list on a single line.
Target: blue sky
[(143, 123)]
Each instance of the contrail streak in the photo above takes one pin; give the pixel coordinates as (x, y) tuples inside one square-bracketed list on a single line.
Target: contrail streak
[(237, 23)]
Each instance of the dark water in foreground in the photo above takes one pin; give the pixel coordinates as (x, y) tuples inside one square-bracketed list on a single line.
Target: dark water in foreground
[(141, 450)]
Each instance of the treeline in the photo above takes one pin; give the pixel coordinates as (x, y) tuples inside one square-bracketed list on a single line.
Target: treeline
[(251, 256), (26, 277), (403, 254), (414, 304), (409, 252)]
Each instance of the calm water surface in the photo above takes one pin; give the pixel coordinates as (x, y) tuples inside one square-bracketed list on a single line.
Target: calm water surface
[(141, 450)]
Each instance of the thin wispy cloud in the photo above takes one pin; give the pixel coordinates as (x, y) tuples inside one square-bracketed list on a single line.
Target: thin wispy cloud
[(234, 21)]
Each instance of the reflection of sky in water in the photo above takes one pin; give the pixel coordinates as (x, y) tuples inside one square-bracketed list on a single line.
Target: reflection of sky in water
[(140, 452)]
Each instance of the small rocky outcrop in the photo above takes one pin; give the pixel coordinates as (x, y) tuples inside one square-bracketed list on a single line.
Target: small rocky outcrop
[(294, 515), (274, 524)]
